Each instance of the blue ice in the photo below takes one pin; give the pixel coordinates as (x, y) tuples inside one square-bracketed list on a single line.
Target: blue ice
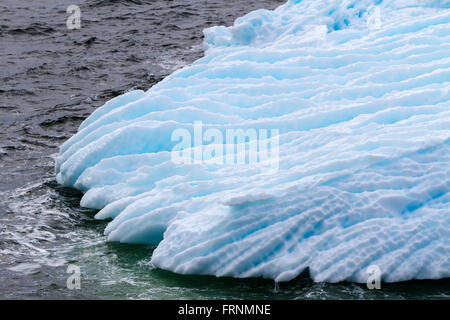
[(359, 91)]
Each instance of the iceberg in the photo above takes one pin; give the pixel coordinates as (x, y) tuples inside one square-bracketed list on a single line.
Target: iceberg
[(355, 97)]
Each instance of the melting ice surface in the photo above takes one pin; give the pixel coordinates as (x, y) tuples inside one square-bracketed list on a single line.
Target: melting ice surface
[(359, 91)]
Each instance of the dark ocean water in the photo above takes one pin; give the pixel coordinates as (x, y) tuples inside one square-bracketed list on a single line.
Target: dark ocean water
[(53, 78)]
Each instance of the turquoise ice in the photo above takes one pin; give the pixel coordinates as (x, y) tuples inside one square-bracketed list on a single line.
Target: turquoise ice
[(359, 91)]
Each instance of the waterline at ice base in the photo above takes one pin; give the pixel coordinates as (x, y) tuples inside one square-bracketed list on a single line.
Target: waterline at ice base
[(357, 93)]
